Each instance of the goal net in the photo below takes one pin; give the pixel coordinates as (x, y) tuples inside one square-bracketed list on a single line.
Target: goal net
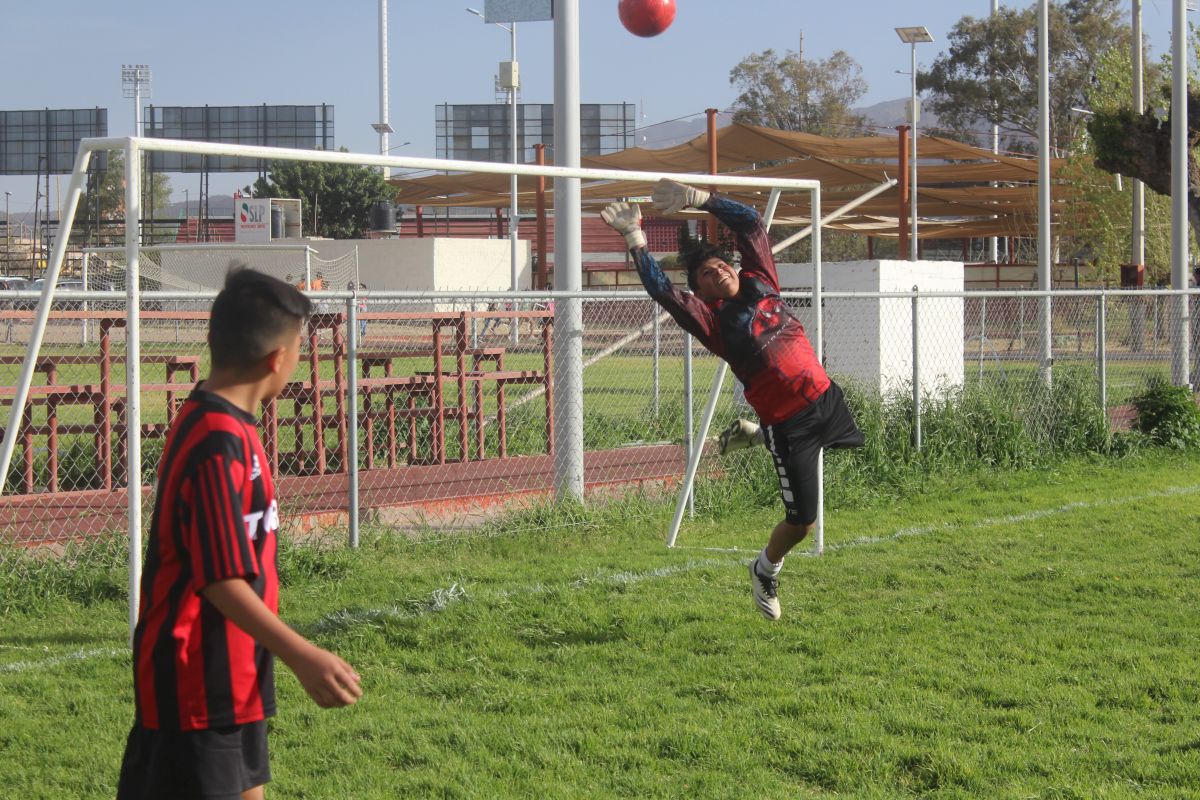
[(202, 268)]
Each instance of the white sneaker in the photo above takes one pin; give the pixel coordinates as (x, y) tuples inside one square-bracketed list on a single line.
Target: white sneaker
[(741, 434), (766, 592)]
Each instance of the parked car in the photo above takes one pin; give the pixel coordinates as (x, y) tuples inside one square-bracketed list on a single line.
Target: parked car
[(68, 286), (11, 283)]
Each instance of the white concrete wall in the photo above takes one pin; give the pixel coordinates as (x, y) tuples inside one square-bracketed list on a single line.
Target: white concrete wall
[(430, 263), (870, 341), (473, 264)]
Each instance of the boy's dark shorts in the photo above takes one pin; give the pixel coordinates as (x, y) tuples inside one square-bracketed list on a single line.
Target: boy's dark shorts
[(213, 764), (796, 444)]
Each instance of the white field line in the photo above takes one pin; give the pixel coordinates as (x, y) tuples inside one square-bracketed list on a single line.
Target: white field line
[(1009, 519), (66, 658), (441, 599)]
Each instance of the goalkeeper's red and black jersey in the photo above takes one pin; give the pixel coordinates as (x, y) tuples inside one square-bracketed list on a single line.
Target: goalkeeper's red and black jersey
[(754, 331), (215, 518)]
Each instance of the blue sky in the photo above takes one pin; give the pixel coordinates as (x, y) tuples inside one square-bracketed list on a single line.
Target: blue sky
[(68, 54)]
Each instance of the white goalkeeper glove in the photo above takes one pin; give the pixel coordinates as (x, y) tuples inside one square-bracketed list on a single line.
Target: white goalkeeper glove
[(627, 221), (670, 196)]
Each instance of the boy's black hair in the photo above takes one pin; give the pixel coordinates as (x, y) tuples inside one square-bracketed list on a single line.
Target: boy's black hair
[(693, 253), (251, 316)]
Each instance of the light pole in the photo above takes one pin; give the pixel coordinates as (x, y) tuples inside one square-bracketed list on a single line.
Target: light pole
[(994, 244), (187, 200), (914, 35), (1179, 188), (510, 79), (1138, 254), (383, 128), (7, 233)]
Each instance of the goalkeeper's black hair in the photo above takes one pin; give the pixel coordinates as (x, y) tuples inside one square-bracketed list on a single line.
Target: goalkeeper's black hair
[(694, 252)]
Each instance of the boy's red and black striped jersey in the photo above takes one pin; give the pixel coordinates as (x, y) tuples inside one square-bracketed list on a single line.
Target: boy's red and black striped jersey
[(215, 518), (754, 331)]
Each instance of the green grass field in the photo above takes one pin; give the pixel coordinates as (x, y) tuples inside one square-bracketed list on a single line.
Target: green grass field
[(1028, 635)]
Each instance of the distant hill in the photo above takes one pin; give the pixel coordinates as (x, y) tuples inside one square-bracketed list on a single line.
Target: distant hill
[(891, 113), (219, 205), (885, 115), (669, 134)]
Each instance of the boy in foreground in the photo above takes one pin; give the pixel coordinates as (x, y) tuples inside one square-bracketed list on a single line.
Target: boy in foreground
[(741, 318), (202, 649)]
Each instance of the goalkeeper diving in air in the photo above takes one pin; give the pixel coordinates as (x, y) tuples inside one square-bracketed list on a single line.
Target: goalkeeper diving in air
[(740, 317)]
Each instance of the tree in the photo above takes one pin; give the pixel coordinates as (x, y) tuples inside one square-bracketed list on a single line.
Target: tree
[(792, 93), (1138, 145), (1097, 211), (337, 197), (104, 197), (989, 75)]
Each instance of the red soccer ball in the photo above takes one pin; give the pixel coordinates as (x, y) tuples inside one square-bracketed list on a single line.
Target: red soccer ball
[(646, 17)]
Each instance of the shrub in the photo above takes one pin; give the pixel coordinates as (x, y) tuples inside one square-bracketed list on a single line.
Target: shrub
[(1168, 414), (87, 573), (989, 425)]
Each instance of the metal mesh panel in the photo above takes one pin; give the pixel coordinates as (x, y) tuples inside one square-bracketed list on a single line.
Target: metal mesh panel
[(456, 413), (454, 402), (69, 476)]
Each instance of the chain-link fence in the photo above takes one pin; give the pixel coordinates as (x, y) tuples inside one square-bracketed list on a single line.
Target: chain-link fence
[(437, 410)]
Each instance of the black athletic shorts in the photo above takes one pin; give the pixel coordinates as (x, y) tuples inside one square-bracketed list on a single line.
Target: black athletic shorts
[(213, 764), (796, 443)]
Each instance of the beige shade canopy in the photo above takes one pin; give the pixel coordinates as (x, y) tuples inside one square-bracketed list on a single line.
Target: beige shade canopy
[(956, 192)]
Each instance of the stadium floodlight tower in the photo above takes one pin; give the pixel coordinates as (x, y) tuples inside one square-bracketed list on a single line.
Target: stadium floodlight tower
[(914, 35), (136, 83)]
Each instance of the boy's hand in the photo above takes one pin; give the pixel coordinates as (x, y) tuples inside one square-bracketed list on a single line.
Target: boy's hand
[(627, 221), (329, 680), (670, 196)]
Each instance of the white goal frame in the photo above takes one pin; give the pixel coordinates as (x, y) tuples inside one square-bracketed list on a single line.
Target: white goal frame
[(568, 314)]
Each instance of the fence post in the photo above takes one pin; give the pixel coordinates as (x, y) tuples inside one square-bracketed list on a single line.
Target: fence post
[(514, 332), (83, 270), (1102, 352), (1181, 357), (654, 317), (916, 371), (352, 411), (1154, 330), (1021, 321), (687, 413), (982, 332)]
